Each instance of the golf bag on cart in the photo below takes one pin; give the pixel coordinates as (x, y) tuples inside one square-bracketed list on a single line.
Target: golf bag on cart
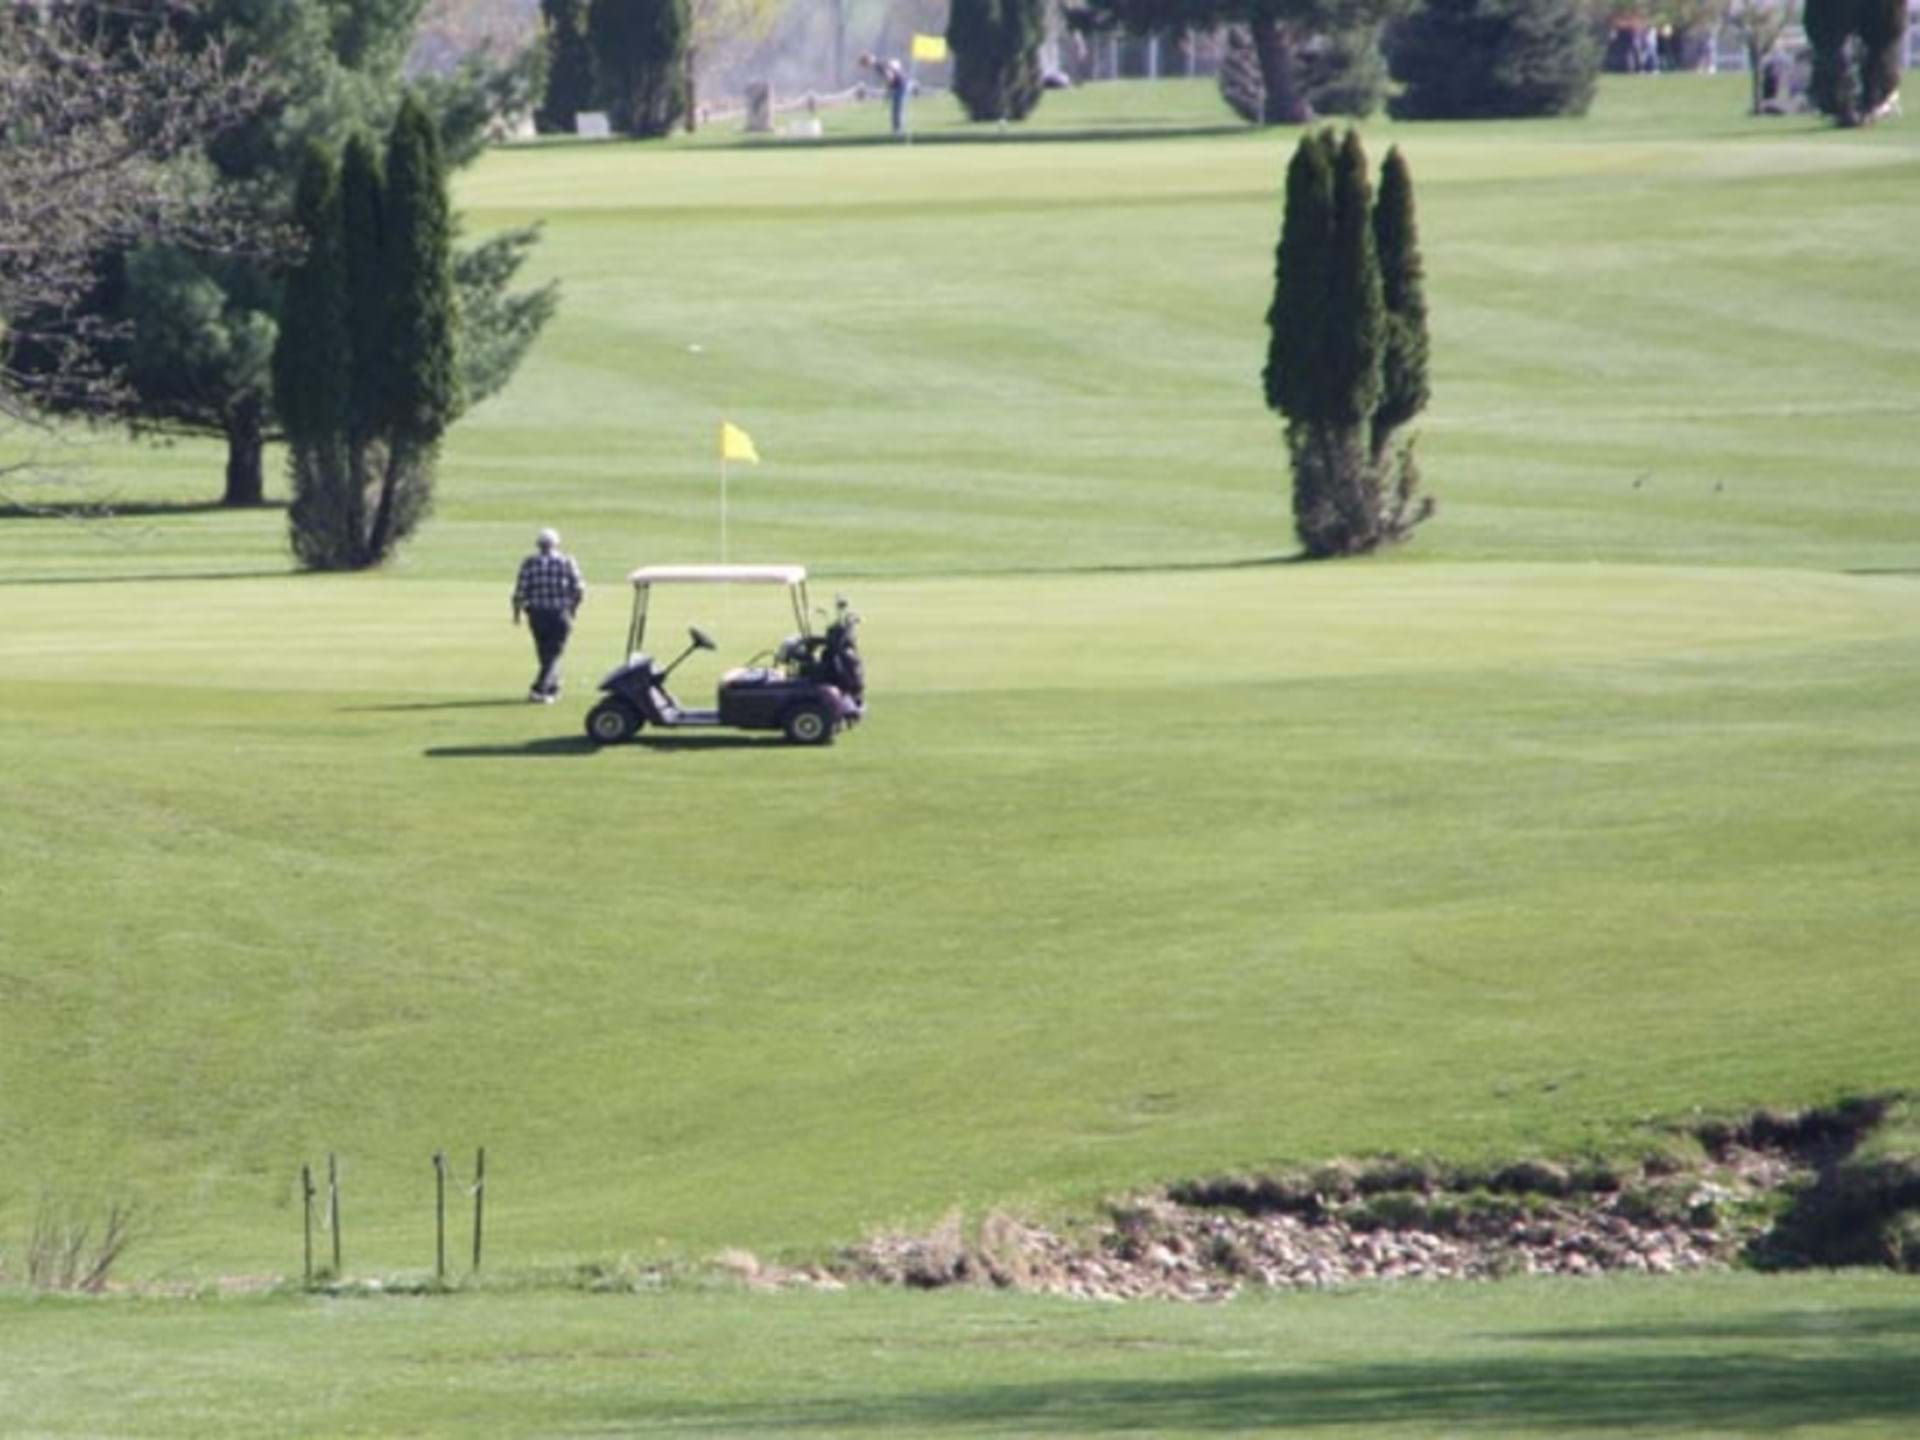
[(840, 662)]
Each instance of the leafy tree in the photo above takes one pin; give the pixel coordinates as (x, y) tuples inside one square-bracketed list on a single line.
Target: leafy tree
[(569, 65), (996, 56), (1760, 25), (194, 332), (94, 124), (1287, 60), (368, 381), (1493, 59), (640, 62), (1340, 73), (1340, 363)]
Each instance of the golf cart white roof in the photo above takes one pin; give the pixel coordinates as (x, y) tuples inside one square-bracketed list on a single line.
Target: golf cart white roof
[(720, 574)]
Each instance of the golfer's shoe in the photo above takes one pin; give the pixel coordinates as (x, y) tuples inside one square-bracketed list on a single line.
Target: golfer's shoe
[(535, 697)]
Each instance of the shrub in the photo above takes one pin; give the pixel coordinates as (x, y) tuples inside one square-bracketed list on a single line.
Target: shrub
[(1493, 59)]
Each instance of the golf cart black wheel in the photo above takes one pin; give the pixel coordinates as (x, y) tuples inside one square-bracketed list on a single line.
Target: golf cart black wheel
[(612, 722), (809, 725)]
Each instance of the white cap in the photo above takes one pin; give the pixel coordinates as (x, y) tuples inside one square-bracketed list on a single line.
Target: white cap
[(548, 539)]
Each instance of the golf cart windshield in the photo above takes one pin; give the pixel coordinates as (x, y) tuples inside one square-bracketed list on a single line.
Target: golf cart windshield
[(794, 577)]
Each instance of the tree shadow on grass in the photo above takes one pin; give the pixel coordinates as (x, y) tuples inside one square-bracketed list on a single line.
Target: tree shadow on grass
[(429, 705), (148, 579), (1858, 1323), (547, 747), (1745, 1391), (127, 509)]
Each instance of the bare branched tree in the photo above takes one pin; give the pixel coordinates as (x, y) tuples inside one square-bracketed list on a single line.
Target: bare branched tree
[(98, 105)]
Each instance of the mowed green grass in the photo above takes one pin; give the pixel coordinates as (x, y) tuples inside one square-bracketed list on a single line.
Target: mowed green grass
[(1810, 1355), (1593, 806)]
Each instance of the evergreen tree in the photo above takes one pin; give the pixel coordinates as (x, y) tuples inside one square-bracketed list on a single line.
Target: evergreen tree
[(313, 372), (363, 206), (1350, 364), (1834, 84), (569, 65), (1493, 59), (996, 56), (1882, 27), (1396, 241), (1299, 316), (420, 393), (640, 62), (380, 360), (1332, 333), (1857, 52)]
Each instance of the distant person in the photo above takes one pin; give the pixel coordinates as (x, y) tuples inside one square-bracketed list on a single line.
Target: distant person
[(550, 589), (894, 78)]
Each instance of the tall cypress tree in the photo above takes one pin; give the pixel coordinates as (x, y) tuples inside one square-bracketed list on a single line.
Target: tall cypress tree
[(1351, 361), (640, 62), (420, 391), (569, 65), (363, 205), (313, 366), (1298, 318), (1834, 84), (1882, 27), (1327, 359), (363, 457), (1404, 388), (996, 56)]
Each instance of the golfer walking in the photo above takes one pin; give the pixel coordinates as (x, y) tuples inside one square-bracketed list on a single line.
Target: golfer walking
[(551, 590)]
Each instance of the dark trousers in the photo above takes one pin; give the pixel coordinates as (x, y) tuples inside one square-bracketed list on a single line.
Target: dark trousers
[(550, 631)]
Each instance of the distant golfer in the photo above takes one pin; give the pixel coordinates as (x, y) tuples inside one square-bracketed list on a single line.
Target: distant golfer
[(894, 78), (550, 589)]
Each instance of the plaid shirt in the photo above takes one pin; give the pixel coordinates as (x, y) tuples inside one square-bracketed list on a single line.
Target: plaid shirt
[(549, 581)]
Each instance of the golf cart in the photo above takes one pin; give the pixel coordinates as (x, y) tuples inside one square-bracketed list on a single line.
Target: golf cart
[(810, 688)]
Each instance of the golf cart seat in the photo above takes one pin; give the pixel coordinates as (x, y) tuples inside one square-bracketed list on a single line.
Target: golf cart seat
[(748, 675)]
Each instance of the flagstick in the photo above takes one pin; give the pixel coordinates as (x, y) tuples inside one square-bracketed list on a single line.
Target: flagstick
[(723, 504)]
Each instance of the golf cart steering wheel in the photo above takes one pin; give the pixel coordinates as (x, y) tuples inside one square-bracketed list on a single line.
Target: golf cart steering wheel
[(701, 639)]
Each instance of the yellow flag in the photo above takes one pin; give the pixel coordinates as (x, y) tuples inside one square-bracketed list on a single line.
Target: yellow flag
[(930, 48), (736, 444)]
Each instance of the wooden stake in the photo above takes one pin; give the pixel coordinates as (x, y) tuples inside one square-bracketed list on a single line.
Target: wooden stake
[(306, 1212), (479, 1200), (439, 1215), (333, 1210)]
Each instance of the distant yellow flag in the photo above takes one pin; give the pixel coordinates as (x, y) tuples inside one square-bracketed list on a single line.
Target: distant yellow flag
[(736, 444), (930, 48)]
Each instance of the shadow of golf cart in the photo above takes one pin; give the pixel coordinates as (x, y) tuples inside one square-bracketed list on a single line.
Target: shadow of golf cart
[(811, 687)]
